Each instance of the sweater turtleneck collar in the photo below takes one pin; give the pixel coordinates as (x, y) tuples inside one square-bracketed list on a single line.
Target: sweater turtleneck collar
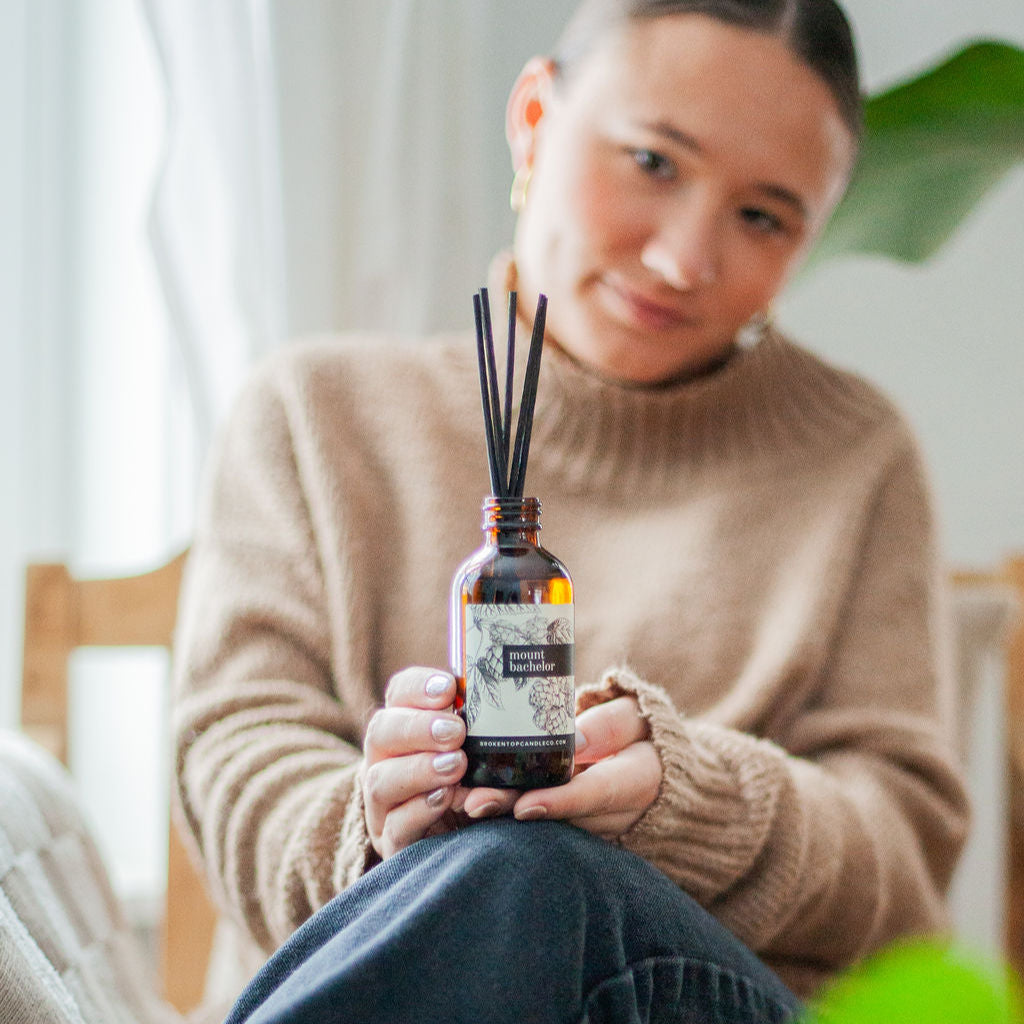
[(769, 397)]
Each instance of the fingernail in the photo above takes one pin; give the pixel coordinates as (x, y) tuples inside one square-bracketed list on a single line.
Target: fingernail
[(444, 730), (436, 798), (437, 686), (486, 811), (532, 813), (446, 763), (581, 740)]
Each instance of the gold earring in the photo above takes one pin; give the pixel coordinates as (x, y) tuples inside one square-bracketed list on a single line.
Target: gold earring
[(520, 186)]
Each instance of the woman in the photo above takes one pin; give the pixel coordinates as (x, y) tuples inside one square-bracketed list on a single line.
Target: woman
[(766, 727)]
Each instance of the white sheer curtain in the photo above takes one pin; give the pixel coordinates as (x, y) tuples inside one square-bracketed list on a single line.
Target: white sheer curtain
[(182, 186), (35, 376), (85, 389), (215, 220), (329, 165)]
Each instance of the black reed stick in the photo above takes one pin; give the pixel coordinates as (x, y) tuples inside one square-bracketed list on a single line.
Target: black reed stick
[(507, 478), (517, 478), (492, 383), (510, 370), (497, 484)]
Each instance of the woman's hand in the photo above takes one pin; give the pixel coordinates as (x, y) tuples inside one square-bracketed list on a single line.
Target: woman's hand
[(412, 763), (619, 778)]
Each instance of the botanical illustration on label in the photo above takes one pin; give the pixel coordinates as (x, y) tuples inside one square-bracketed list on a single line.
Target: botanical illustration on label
[(520, 672)]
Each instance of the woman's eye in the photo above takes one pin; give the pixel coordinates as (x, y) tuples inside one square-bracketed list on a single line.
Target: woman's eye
[(652, 163), (761, 220)]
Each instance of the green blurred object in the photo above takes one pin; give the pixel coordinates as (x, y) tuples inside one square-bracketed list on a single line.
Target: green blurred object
[(921, 983), (933, 147)]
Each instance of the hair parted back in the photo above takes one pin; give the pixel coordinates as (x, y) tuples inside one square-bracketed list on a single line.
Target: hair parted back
[(816, 31)]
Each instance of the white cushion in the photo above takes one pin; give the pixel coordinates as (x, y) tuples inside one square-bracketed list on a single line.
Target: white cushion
[(67, 955)]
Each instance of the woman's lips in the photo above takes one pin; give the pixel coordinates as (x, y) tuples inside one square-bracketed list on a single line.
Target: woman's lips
[(645, 311)]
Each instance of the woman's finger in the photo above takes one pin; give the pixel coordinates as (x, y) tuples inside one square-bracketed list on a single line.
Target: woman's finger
[(389, 783), (609, 728), (419, 687), (398, 731), (623, 785), (395, 781), (481, 802), (411, 821)]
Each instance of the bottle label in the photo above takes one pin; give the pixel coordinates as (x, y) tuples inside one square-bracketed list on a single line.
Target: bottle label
[(520, 676)]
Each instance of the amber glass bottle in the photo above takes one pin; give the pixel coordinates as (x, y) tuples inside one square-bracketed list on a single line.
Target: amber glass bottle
[(512, 653)]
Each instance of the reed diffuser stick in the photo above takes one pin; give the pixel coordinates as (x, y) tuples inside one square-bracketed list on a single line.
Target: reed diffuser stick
[(497, 484), (508, 476), (492, 384), (517, 478), (510, 370)]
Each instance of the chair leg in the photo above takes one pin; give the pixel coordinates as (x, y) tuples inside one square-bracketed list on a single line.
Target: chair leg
[(188, 929), (51, 628)]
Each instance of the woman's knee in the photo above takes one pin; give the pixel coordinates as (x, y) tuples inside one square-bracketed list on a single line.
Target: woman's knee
[(537, 849)]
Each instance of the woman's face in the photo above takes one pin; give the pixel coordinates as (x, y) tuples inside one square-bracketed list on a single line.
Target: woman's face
[(678, 176)]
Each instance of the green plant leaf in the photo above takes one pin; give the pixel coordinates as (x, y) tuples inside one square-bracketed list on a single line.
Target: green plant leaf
[(933, 147), (921, 983)]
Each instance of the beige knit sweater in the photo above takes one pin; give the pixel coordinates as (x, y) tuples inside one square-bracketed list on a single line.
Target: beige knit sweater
[(753, 556)]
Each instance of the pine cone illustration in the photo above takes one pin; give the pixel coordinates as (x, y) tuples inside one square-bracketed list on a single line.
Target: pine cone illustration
[(553, 703)]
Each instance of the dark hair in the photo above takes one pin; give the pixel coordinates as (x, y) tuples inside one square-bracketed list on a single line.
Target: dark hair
[(816, 31)]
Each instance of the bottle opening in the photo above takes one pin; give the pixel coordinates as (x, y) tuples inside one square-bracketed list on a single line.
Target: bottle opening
[(511, 513)]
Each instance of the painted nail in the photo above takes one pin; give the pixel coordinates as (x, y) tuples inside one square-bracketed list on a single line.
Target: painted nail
[(444, 730), (436, 798), (488, 810), (532, 813), (445, 764), (581, 740), (437, 685)]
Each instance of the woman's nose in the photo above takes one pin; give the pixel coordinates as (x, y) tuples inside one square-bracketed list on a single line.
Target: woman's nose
[(683, 249)]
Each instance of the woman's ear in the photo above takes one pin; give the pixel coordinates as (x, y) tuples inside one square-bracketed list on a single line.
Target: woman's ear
[(527, 104)]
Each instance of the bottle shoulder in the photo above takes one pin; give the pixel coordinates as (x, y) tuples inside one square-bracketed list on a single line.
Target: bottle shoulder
[(525, 561), (513, 574)]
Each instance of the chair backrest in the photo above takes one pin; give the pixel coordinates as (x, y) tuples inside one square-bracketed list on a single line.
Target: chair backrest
[(62, 614), (1009, 579)]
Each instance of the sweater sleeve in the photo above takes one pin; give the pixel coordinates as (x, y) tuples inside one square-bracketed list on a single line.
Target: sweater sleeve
[(839, 833), (266, 752)]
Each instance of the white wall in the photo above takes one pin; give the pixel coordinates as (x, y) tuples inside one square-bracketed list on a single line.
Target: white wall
[(945, 339)]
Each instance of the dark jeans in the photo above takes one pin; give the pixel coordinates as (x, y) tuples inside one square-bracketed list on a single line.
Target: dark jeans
[(519, 922)]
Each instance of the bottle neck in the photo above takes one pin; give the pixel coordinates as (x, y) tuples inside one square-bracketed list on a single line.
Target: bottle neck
[(509, 521)]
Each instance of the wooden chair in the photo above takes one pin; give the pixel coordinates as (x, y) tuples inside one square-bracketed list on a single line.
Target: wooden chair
[(63, 613), (1010, 577)]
